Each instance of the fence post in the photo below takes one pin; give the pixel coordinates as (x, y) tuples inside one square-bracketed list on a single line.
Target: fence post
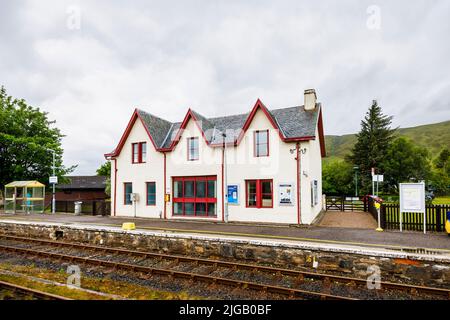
[(383, 216), (438, 218)]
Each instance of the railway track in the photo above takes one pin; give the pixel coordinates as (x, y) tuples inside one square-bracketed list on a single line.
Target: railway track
[(327, 281), (20, 291)]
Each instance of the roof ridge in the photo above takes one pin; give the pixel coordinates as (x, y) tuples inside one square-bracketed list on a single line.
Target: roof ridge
[(151, 114)]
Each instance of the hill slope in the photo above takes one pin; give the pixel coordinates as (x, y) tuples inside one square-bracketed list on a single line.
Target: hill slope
[(432, 136)]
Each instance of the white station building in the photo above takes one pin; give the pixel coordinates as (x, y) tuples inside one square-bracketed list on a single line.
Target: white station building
[(262, 166)]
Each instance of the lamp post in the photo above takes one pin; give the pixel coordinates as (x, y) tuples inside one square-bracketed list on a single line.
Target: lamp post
[(54, 183), (356, 180)]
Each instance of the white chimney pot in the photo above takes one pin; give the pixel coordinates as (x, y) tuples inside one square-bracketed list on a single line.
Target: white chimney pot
[(310, 99)]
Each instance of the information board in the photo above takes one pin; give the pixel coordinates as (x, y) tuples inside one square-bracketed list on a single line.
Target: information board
[(412, 199), (233, 194), (285, 194)]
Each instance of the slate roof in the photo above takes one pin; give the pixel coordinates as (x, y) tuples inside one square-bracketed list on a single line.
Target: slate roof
[(84, 182), (294, 122)]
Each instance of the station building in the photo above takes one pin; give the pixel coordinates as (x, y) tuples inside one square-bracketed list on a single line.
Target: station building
[(262, 166)]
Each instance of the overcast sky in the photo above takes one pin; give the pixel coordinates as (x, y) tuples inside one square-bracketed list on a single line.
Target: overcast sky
[(90, 63)]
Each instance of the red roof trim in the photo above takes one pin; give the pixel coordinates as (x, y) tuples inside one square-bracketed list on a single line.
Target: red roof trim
[(126, 133), (258, 105)]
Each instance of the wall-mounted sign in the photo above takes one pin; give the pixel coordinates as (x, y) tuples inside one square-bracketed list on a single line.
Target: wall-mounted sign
[(314, 193), (54, 179), (233, 194), (286, 194)]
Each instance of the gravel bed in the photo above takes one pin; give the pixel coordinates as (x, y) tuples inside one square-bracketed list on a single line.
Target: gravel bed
[(197, 288)]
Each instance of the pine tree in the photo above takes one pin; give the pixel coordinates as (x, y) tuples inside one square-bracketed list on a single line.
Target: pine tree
[(372, 143)]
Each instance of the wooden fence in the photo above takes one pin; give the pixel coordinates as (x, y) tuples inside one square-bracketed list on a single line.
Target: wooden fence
[(93, 207), (435, 218)]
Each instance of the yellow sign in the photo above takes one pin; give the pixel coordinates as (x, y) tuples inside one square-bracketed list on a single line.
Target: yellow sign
[(377, 205), (167, 197)]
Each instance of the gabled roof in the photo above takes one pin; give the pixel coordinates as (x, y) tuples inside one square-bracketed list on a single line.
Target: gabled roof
[(293, 124), (84, 182)]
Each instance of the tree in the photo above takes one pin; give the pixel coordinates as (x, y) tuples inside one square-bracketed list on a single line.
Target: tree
[(440, 180), (405, 162), (26, 134), (337, 178), (105, 170), (372, 142)]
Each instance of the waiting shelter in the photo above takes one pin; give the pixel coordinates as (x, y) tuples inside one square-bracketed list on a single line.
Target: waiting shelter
[(24, 197)]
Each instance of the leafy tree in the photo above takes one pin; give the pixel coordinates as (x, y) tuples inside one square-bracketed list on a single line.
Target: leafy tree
[(442, 161), (337, 178), (372, 142), (405, 162), (105, 170), (26, 134), (440, 179)]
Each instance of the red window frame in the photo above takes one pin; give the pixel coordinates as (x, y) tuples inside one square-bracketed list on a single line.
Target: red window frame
[(189, 158), (125, 193), (139, 153), (195, 200), (147, 193), (258, 193), (256, 143)]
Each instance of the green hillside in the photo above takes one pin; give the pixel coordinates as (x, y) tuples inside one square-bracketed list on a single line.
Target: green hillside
[(432, 136)]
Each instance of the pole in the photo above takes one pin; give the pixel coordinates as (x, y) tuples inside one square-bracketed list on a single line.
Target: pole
[(356, 184), (53, 197), (225, 178)]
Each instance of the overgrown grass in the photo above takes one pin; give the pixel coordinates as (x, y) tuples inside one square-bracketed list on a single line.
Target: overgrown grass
[(104, 285)]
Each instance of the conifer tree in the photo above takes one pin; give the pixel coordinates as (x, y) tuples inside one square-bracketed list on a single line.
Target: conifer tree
[(372, 143)]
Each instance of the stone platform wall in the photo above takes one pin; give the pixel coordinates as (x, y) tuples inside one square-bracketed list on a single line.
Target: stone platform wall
[(396, 268)]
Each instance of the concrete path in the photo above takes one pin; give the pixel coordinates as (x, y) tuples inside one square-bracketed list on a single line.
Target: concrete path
[(348, 219), (353, 236)]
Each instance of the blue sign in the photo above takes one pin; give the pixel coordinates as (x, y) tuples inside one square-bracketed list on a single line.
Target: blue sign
[(233, 194)]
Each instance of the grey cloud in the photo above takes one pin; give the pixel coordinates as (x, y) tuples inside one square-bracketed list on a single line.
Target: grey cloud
[(218, 57)]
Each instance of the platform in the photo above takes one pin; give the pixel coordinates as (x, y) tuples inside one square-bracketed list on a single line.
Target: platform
[(355, 237)]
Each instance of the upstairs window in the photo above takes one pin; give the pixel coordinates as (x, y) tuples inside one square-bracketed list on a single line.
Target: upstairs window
[(193, 153), (259, 193), (261, 143), (139, 152)]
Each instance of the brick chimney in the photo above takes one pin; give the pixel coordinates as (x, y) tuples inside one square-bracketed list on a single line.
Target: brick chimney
[(310, 99)]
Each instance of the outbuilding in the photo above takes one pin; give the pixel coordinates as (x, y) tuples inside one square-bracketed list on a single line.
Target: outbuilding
[(261, 166)]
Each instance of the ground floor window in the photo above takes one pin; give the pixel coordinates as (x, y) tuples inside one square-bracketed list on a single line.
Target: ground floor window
[(259, 193), (195, 196), (128, 190), (151, 193)]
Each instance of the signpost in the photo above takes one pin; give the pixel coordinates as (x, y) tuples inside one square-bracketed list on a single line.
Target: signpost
[(412, 199), (377, 178)]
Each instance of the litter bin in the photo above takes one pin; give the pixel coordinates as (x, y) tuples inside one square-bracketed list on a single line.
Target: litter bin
[(78, 207)]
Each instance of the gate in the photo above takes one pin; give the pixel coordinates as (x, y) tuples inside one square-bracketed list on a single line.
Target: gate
[(345, 203)]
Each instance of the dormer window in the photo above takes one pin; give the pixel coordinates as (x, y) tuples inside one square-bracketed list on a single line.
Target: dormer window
[(139, 152), (261, 143), (193, 153)]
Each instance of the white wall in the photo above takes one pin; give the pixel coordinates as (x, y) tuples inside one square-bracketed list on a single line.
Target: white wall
[(280, 166), (138, 174)]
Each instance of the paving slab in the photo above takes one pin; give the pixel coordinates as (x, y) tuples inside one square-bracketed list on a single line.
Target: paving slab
[(319, 234)]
